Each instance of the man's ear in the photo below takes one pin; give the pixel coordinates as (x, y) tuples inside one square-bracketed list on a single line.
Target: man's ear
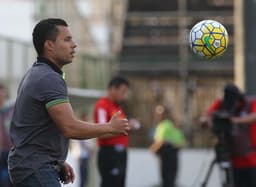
[(48, 45)]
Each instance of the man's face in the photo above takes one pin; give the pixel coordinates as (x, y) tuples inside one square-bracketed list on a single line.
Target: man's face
[(119, 93), (159, 113), (64, 46), (3, 97)]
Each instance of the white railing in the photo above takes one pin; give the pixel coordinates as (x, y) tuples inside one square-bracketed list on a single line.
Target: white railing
[(87, 72), (15, 59)]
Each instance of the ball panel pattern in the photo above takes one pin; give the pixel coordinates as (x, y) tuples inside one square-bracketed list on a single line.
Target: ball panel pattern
[(208, 39)]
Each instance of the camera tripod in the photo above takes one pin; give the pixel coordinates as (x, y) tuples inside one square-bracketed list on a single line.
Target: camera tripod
[(222, 159)]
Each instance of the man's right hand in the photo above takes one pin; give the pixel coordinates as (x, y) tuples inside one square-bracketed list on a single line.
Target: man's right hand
[(119, 126)]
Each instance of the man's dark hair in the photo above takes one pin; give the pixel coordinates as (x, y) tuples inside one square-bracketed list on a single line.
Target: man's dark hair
[(46, 30), (117, 81), (232, 94)]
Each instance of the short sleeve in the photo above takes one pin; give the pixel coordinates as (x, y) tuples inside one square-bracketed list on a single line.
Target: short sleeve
[(52, 90), (215, 106), (176, 136), (159, 133)]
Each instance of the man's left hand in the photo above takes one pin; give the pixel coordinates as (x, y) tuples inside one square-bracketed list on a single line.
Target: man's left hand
[(68, 172)]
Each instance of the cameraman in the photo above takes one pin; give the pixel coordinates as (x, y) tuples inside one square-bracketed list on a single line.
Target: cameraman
[(242, 138)]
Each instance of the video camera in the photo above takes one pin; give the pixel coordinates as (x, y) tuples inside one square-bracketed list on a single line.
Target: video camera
[(221, 123), (221, 119)]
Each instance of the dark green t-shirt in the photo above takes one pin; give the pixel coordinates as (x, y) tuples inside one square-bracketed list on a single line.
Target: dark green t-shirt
[(35, 137)]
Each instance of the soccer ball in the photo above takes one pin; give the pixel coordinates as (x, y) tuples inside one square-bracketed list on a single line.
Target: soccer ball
[(208, 39)]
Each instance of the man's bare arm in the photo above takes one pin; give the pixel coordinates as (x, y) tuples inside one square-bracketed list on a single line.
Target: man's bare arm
[(156, 146), (71, 127), (250, 118)]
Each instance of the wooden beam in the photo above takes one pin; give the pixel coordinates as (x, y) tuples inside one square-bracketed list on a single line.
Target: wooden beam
[(239, 67)]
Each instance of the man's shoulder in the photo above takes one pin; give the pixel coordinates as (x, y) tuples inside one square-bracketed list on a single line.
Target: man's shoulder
[(41, 73), (214, 106), (102, 102), (166, 123), (44, 69), (41, 81)]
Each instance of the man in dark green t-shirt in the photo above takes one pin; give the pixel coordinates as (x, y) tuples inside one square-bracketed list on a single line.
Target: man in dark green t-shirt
[(43, 120)]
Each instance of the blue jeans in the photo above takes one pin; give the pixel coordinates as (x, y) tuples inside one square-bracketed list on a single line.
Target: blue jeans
[(45, 176), (4, 176)]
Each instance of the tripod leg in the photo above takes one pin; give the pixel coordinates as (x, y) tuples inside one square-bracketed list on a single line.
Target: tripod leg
[(204, 183), (228, 180)]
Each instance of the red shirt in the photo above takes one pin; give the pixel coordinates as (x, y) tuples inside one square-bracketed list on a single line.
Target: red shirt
[(103, 111), (248, 160)]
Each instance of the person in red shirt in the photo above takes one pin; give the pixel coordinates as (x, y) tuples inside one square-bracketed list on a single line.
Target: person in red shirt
[(112, 155), (242, 140)]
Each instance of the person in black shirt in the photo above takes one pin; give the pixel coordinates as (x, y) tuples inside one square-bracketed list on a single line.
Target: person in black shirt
[(43, 119)]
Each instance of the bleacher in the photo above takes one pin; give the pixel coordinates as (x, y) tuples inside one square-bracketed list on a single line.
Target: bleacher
[(154, 35)]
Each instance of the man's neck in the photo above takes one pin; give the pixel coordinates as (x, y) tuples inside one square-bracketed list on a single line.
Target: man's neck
[(111, 98), (54, 62), (50, 63)]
